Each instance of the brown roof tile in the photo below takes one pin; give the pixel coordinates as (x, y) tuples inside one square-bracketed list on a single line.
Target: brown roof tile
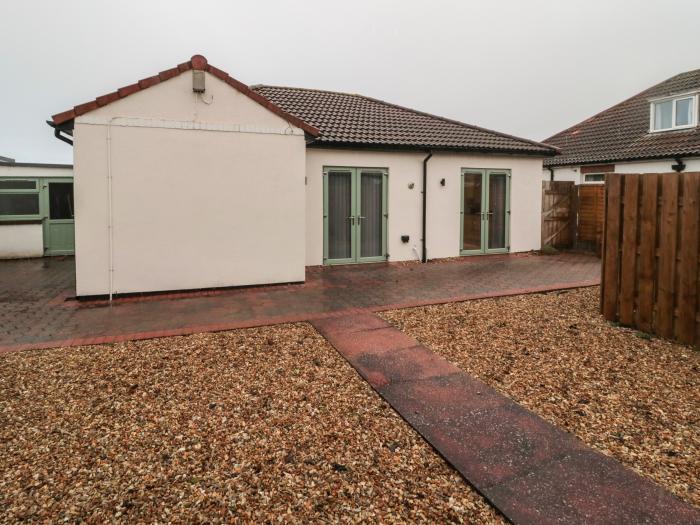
[(622, 132), (349, 119)]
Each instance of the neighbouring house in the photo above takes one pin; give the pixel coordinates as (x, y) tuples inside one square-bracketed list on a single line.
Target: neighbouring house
[(36, 209), (655, 131), (191, 179)]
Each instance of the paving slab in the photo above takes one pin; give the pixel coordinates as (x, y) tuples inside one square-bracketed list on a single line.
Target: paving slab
[(530, 470)]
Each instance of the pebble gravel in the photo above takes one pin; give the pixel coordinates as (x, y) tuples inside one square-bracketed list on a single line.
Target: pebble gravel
[(631, 396), (266, 425)]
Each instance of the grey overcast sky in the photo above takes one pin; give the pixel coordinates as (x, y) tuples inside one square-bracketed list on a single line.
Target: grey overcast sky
[(526, 67)]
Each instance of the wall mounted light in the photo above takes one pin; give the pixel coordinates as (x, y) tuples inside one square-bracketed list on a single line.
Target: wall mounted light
[(442, 182), (411, 185)]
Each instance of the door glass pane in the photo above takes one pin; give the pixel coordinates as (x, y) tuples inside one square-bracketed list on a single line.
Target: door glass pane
[(471, 228), (662, 114), (371, 214), (19, 204), (61, 200), (497, 210), (684, 112), (339, 213)]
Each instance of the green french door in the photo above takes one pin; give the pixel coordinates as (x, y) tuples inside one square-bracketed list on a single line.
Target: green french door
[(485, 212), (354, 215)]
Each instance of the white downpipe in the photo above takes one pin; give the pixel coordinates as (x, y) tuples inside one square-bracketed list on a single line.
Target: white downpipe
[(415, 250), (110, 224)]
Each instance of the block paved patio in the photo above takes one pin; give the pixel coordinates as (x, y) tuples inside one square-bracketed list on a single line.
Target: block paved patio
[(37, 309)]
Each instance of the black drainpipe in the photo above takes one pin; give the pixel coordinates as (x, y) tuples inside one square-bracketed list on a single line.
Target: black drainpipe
[(57, 133), (425, 204), (551, 174)]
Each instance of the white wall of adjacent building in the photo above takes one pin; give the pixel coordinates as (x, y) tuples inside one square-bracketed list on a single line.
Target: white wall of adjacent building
[(655, 166), (21, 240), (573, 173), (443, 205), (17, 239), (206, 191)]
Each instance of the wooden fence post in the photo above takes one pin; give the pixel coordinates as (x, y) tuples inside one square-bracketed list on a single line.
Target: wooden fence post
[(688, 265), (628, 267), (611, 258)]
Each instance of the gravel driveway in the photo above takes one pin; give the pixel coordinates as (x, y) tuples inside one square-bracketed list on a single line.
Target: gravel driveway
[(631, 397), (249, 425)]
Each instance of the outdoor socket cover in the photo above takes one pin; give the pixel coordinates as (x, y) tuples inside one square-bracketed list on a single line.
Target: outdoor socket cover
[(404, 238)]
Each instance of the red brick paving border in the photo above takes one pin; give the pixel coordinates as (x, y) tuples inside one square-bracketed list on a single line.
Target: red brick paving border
[(530, 470)]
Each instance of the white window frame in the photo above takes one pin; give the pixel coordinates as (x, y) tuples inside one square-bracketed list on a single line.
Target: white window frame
[(675, 99), (584, 181)]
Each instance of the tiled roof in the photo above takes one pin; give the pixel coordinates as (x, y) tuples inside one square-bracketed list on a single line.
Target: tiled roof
[(196, 62), (622, 131), (355, 120)]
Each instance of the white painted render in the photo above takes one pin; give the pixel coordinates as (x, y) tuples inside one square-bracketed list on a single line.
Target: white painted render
[(206, 191), (405, 204), (20, 171), (21, 240), (656, 166), (573, 173), (26, 240), (565, 173)]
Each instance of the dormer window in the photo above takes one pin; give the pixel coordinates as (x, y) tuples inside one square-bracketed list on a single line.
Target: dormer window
[(678, 112)]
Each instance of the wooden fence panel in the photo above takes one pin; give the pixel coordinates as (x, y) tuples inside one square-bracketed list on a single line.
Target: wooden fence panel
[(558, 218), (688, 264), (572, 215), (628, 270), (647, 251), (650, 261), (611, 258), (591, 198), (668, 216)]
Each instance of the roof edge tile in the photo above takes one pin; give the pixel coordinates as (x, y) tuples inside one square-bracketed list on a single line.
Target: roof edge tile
[(197, 62)]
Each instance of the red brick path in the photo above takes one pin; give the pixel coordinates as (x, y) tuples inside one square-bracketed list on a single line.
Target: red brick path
[(35, 310), (530, 470)]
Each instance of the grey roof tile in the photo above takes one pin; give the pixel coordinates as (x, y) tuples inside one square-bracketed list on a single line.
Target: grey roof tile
[(622, 132), (349, 119)]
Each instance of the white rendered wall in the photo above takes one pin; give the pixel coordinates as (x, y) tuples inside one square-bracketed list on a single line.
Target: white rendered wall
[(191, 208), (21, 240), (573, 173), (655, 166), (566, 173), (444, 204), (20, 171)]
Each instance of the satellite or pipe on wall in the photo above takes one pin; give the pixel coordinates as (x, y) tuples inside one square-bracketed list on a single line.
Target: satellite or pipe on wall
[(198, 85)]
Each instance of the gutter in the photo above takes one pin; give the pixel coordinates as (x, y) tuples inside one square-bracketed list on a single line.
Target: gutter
[(424, 258), (57, 130)]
